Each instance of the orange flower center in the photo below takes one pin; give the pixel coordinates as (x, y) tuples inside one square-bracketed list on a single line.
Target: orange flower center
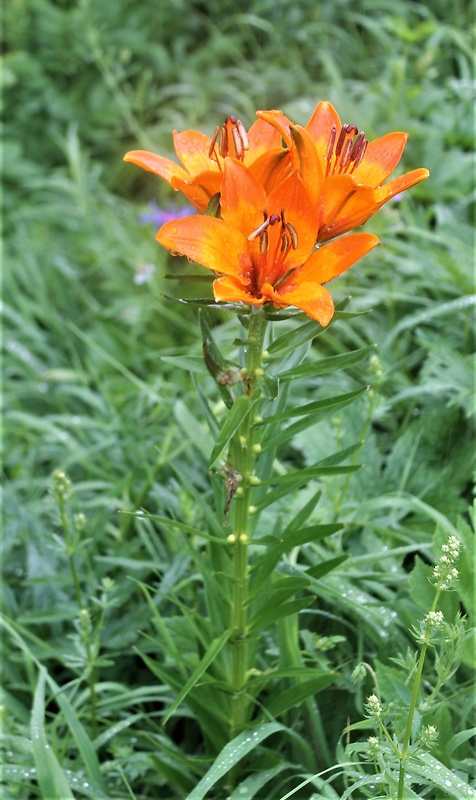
[(229, 140), (273, 259), (345, 152)]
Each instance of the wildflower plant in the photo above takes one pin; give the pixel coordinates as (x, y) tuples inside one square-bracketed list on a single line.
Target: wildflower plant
[(273, 206), (401, 746)]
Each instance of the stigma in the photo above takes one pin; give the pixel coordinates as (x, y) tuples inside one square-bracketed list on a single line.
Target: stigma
[(345, 151), (231, 139)]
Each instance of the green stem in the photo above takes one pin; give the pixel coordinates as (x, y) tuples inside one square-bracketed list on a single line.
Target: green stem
[(411, 712), (70, 547), (243, 451)]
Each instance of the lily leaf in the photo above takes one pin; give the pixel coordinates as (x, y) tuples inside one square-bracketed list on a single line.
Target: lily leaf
[(290, 698), (330, 364), (327, 566), (322, 407), (214, 649), (238, 412)]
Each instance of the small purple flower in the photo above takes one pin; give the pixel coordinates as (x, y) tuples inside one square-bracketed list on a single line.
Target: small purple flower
[(158, 217)]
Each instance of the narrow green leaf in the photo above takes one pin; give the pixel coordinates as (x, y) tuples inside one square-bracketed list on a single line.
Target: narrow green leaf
[(313, 533), (327, 566), (302, 516), (301, 476), (214, 649), (281, 589), (294, 480), (168, 522), (254, 783), (292, 339), (237, 414), (51, 778), (458, 739), (85, 746), (330, 364), (204, 708), (189, 363), (209, 342), (290, 698), (272, 613), (319, 408), (231, 754), (426, 766)]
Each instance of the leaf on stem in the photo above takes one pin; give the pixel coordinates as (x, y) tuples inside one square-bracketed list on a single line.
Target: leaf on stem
[(237, 414)]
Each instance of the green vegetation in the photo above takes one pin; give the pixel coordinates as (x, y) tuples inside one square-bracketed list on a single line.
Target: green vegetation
[(114, 629)]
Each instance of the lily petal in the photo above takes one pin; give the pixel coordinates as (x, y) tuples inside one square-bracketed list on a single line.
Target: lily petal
[(320, 126), (210, 241), (192, 149), (331, 260), (261, 138), (200, 190), (242, 198), (291, 196), (399, 184), (279, 121), (231, 290), (310, 297), (157, 164), (381, 157), (307, 161)]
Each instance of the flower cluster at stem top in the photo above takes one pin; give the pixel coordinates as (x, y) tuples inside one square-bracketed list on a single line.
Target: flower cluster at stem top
[(274, 201)]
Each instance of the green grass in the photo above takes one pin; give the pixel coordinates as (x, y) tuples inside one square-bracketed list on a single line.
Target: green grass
[(93, 388)]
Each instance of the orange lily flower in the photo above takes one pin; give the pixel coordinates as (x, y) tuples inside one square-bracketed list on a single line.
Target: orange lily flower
[(264, 247), (202, 158), (344, 173)]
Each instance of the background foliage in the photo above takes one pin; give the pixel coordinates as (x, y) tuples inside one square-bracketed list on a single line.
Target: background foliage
[(88, 389)]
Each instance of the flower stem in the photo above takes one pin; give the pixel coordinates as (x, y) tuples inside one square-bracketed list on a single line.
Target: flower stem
[(83, 611), (411, 712), (243, 451)]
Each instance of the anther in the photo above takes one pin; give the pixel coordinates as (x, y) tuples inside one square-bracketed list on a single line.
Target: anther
[(341, 140), (223, 141), (360, 153), (263, 243), (243, 134), (293, 235), (331, 143), (345, 157), (284, 241), (237, 141)]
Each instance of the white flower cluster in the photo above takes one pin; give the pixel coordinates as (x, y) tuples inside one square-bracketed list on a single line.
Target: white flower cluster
[(373, 706), (445, 573)]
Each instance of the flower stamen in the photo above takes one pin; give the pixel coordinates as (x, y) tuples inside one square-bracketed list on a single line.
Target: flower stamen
[(232, 140), (348, 151)]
